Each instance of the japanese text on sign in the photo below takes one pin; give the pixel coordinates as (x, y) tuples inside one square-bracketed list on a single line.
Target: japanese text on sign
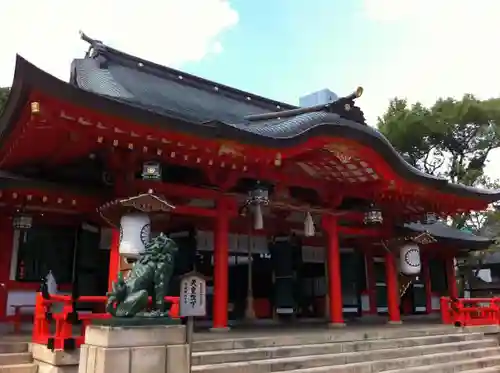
[(192, 299)]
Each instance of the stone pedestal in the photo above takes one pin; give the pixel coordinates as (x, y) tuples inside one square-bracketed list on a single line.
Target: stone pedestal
[(134, 349), (57, 361)]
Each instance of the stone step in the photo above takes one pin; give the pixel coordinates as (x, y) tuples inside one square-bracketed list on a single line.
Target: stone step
[(375, 360), (15, 358), (481, 365), (320, 337), (438, 358), (495, 369), (19, 368), (457, 365), (227, 356), (12, 347), (487, 364)]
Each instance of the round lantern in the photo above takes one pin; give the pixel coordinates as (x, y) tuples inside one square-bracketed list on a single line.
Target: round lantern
[(135, 232), (409, 257)]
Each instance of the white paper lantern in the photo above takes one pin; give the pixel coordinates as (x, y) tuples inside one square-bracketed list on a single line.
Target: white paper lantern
[(135, 232), (409, 257)]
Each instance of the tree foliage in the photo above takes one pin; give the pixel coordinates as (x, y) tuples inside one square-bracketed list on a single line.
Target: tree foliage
[(450, 139)]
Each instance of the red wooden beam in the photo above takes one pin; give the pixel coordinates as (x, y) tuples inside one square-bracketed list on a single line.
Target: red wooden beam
[(177, 190), (362, 231), (258, 156), (195, 211)]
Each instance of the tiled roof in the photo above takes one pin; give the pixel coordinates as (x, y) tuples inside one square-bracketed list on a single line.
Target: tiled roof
[(164, 90), (442, 230), (113, 83)]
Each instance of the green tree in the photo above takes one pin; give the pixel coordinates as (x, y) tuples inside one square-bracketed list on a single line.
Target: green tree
[(4, 94), (451, 139)]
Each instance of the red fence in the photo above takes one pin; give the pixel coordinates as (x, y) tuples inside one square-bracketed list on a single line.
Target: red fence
[(470, 312), (61, 334)]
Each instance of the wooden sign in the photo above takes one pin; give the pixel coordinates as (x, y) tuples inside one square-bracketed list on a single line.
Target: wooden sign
[(193, 295)]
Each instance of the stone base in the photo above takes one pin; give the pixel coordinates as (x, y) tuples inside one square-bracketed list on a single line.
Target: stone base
[(394, 322), (57, 361), (134, 349), (136, 321), (220, 330), (336, 325), (47, 368)]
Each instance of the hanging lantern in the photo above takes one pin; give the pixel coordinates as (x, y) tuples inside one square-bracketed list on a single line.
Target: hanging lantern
[(151, 171), (430, 218), (22, 221), (309, 230), (409, 259), (135, 232), (257, 198), (373, 216)]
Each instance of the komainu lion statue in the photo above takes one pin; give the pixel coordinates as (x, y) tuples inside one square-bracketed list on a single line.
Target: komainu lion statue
[(150, 276)]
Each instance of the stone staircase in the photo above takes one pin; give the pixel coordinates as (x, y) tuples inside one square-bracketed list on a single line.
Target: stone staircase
[(16, 358), (394, 350)]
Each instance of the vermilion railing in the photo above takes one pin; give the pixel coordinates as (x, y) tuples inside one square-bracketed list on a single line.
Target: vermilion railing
[(470, 312), (67, 331)]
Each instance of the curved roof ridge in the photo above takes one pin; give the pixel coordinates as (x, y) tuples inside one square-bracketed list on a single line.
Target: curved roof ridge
[(276, 133), (98, 48), (441, 230)]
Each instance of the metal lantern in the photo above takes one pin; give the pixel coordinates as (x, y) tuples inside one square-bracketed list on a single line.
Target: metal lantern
[(373, 216), (258, 197), (430, 218), (22, 221), (151, 171)]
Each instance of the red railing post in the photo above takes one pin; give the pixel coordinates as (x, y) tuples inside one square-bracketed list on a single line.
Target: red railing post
[(40, 324), (495, 317), (63, 326), (444, 305), (468, 312)]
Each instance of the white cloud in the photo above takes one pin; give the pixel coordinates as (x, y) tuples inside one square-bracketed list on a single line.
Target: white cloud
[(451, 47), (165, 31)]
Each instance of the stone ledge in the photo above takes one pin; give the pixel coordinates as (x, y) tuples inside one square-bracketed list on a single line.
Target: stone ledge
[(135, 336), (150, 359), (49, 368), (58, 357)]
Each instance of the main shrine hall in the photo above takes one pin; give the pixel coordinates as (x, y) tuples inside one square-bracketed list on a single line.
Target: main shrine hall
[(289, 212)]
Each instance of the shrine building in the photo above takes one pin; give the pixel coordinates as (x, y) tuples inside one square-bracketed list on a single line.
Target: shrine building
[(289, 212)]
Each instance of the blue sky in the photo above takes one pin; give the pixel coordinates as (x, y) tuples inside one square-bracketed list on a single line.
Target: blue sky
[(288, 48), (284, 49)]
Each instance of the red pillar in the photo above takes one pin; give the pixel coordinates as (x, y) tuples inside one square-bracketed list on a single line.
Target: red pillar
[(334, 278), (450, 275), (426, 278), (114, 257), (221, 256), (392, 288)]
